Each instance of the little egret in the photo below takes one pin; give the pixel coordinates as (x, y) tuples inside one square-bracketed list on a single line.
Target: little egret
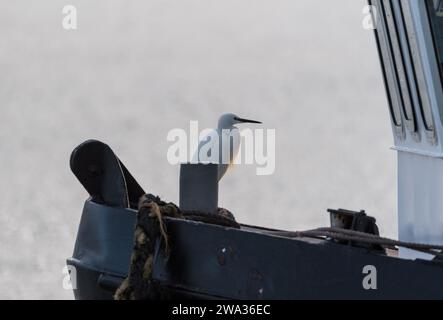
[(225, 140)]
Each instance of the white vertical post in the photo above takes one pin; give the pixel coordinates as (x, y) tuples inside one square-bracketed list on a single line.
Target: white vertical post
[(420, 201)]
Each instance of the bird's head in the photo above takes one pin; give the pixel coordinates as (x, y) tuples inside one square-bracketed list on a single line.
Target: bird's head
[(228, 120)]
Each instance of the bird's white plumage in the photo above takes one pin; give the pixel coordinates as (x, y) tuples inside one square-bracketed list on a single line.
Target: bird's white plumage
[(222, 145)]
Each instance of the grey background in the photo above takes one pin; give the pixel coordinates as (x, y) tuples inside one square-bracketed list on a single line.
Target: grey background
[(136, 69)]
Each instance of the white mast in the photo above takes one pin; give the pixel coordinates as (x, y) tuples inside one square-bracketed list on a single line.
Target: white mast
[(414, 87)]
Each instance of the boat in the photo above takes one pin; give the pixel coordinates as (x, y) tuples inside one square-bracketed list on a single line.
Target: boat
[(134, 245)]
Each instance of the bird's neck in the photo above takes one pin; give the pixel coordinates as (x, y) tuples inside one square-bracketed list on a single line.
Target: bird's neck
[(220, 129)]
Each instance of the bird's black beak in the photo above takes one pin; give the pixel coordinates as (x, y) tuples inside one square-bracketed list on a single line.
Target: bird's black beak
[(247, 121)]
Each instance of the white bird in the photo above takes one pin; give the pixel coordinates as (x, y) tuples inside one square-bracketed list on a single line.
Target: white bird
[(225, 139)]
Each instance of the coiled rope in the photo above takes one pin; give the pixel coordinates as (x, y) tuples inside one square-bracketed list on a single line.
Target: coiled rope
[(140, 284)]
